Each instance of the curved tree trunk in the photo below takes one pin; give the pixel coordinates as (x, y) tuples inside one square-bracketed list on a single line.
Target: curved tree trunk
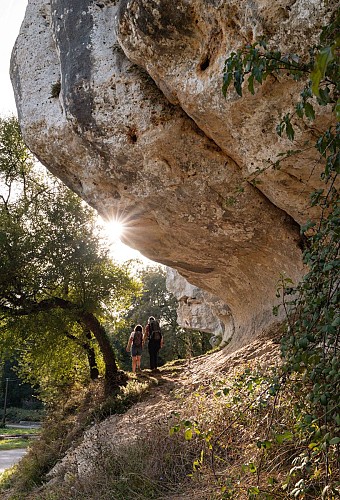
[(113, 378), (90, 353)]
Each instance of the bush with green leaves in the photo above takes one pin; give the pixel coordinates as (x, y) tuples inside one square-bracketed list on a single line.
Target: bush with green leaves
[(155, 300), (58, 283), (253, 437), (310, 347)]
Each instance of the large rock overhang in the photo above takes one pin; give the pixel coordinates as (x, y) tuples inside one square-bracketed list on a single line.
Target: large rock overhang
[(141, 131)]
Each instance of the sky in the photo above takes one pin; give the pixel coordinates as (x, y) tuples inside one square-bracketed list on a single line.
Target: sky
[(11, 16)]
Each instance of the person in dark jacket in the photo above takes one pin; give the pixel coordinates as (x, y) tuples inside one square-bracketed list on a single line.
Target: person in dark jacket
[(153, 335)]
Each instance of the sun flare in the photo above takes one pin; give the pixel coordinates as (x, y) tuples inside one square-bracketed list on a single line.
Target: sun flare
[(114, 229)]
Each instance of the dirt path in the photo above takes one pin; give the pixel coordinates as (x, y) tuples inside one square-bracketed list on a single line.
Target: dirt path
[(159, 404)]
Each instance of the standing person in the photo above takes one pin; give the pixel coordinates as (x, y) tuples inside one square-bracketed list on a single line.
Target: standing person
[(155, 339), (135, 344)]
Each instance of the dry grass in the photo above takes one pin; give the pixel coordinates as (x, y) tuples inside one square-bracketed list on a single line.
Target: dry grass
[(68, 418), (228, 434)]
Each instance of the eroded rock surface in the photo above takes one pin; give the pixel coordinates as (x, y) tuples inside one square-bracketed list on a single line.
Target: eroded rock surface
[(200, 310), (141, 131)]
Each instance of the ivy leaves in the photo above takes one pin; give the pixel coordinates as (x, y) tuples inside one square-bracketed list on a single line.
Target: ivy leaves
[(310, 347), (257, 62), (254, 63), (322, 61)]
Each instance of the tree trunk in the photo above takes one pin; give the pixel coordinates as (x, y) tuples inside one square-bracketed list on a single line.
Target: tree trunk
[(113, 379), (91, 356)]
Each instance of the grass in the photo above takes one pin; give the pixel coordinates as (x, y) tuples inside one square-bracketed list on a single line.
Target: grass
[(70, 415), (18, 441), (252, 440), (234, 438), (18, 430), (12, 444), (145, 469)]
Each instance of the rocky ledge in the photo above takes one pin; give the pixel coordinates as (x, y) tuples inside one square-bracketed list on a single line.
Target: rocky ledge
[(122, 100)]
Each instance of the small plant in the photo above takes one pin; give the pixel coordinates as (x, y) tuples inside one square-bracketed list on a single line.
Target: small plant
[(255, 62), (253, 439), (56, 89)]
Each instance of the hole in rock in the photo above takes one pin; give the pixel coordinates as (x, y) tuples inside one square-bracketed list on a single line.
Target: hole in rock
[(132, 135), (205, 64)]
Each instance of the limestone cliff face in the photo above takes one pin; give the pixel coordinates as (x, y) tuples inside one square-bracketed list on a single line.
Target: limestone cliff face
[(141, 131), (201, 310)]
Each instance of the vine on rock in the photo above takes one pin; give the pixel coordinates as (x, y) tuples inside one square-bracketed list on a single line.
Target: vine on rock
[(310, 371)]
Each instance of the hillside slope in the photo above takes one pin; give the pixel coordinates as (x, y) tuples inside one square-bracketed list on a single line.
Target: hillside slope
[(137, 455)]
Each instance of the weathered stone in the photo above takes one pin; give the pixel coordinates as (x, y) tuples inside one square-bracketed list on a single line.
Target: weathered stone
[(141, 131), (200, 310), (183, 46)]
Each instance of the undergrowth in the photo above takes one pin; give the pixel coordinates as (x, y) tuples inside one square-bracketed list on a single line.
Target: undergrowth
[(310, 346), (147, 468), (256, 440), (244, 435), (67, 419)]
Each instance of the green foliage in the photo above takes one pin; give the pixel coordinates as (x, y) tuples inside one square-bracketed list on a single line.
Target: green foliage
[(16, 415), (57, 280), (128, 395), (311, 346), (255, 62), (155, 300), (19, 394), (252, 439)]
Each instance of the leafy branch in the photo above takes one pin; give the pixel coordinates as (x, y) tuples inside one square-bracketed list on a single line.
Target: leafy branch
[(311, 345)]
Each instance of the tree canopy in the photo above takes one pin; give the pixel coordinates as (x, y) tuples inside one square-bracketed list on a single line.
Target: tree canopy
[(57, 279)]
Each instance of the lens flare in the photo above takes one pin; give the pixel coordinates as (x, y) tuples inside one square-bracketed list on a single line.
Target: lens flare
[(118, 232), (114, 229)]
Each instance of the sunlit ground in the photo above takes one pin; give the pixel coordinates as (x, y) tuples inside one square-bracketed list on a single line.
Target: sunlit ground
[(114, 230)]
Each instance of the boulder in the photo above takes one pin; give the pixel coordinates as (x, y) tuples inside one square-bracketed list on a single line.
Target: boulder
[(122, 100), (200, 310)]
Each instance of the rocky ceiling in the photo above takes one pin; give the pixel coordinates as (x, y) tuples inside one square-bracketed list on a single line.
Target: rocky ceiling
[(122, 100)]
